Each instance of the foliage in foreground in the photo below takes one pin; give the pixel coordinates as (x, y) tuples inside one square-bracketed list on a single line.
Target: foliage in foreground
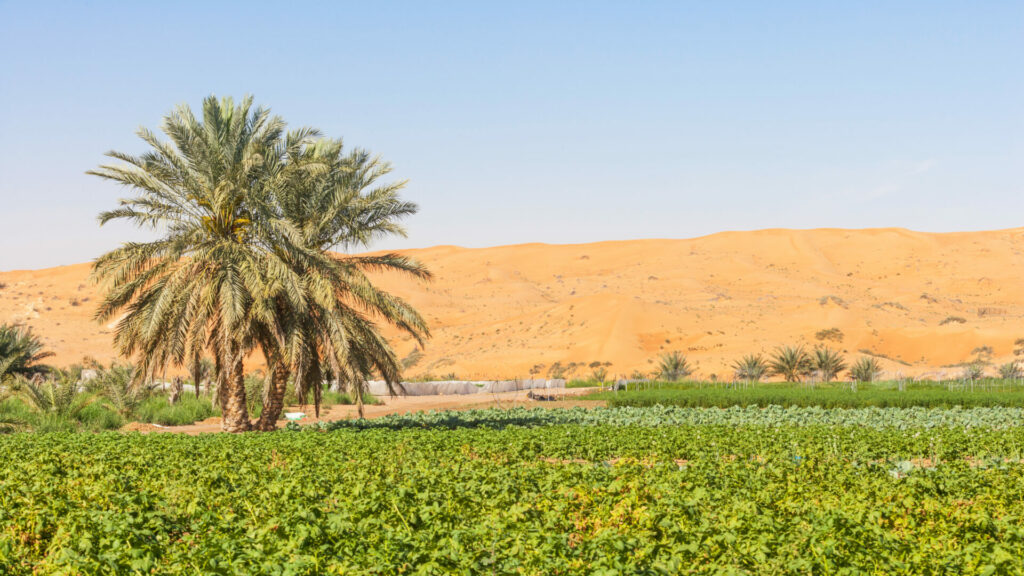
[(548, 500)]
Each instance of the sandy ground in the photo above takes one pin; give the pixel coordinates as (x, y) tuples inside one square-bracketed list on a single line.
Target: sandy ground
[(400, 405), (925, 301)]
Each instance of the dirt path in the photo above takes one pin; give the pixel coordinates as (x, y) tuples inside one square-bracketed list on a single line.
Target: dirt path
[(569, 397)]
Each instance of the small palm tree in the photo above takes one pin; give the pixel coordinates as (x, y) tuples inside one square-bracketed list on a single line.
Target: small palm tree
[(58, 395), (118, 385), (792, 363), (828, 363), (20, 353), (752, 368), (865, 369), (673, 366)]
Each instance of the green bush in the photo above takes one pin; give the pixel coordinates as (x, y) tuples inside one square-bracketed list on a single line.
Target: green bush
[(187, 410)]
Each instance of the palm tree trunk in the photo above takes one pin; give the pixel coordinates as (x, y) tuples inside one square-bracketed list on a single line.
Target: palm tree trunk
[(197, 373), (274, 401), (236, 412)]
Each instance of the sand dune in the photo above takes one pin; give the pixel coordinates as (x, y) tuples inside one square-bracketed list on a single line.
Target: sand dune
[(924, 301)]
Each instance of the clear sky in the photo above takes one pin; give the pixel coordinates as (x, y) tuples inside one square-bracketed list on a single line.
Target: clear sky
[(542, 121)]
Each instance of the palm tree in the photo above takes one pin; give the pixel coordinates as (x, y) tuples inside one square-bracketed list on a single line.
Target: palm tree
[(828, 363), (865, 369), (673, 366), (792, 363), (55, 396), (248, 215), (20, 353), (340, 206), (117, 384), (200, 285), (751, 368)]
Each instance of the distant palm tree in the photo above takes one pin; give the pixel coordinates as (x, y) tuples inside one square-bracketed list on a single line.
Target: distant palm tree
[(751, 368), (865, 369), (792, 363), (673, 366), (20, 353), (828, 363)]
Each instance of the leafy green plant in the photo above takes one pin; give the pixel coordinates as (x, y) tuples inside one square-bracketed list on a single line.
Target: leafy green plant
[(187, 410), (791, 363), (532, 492), (673, 366)]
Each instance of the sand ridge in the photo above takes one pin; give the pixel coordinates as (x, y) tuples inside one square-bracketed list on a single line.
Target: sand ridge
[(924, 301)]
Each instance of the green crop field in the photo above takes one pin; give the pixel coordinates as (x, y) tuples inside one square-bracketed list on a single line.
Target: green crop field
[(829, 395), (614, 491)]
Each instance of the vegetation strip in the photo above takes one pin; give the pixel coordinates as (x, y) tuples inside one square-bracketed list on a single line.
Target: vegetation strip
[(663, 416), (810, 499)]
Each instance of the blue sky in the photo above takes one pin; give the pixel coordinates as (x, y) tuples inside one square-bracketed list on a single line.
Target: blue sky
[(542, 122)]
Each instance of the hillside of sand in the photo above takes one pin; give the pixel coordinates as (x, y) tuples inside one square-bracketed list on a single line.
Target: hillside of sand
[(920, 302)]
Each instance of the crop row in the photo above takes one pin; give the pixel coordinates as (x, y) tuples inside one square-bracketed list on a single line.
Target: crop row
[(881, 418), (827, 397), (562, 499)]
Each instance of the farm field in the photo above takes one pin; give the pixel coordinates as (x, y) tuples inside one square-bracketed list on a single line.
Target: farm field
[(830, 395), (604, 491)]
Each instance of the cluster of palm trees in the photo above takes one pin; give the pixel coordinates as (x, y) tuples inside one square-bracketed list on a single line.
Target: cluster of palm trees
[(791, 363), (796, 364), (247, 214)]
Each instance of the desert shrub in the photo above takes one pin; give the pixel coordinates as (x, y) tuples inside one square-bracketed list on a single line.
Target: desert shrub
[(599, 374), (1011, 371), (833, 334), (952, 319), (973, 371)]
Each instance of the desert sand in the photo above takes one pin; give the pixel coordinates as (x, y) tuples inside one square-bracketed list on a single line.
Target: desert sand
[(921, 302)]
